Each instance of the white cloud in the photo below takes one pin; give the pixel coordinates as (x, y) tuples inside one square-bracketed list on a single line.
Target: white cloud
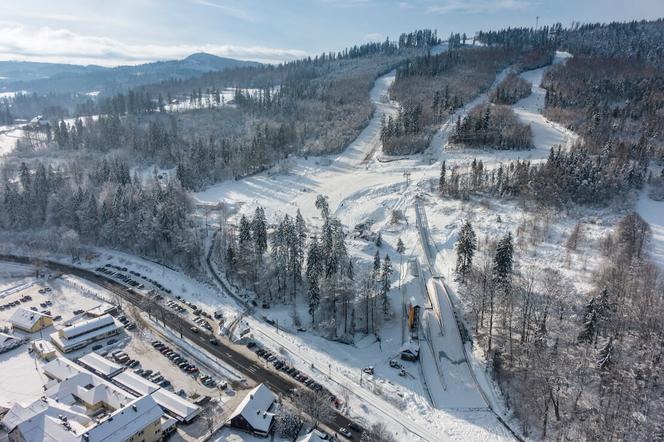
[(231, 11), (480, 6), (374, 37), (64, 46)]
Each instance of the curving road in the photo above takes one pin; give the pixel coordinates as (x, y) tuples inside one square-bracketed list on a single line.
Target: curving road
[(226, 351)]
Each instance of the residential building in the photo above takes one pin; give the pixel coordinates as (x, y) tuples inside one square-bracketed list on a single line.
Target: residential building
[(30, 321), (253, 413)]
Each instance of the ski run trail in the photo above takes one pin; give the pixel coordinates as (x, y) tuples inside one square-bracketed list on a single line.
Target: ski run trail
[(448, 394)]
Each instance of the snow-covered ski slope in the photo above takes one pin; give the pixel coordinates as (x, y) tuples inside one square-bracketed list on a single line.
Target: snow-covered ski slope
[(361, 188)]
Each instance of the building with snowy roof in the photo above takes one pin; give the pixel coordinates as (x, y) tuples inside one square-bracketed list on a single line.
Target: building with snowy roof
[(177, 407), (82, 333), (134, 383), (79, 406), (100, 365), (253, 413), (30, 321), (44, 349), (48, 420), (314, 436)]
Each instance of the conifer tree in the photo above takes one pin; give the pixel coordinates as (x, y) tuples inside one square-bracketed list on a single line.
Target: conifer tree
[(385, 277), (465, 246), (441, 180)]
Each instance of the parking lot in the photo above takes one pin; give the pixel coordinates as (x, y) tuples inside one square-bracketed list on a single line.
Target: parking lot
[(168, 367), (58, 297), (131, 278)]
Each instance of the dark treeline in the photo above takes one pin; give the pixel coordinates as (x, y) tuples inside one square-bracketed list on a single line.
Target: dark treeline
[(494, 126), (199, 160), (510, 90), (607, 101), (268, 76), (567, 177), (638, 41), (101, 207), (26, 106)]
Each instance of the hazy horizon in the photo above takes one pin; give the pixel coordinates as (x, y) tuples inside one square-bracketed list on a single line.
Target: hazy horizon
[(128, 32)]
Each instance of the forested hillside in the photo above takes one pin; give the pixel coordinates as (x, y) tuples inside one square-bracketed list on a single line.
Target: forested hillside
[(576, 366)]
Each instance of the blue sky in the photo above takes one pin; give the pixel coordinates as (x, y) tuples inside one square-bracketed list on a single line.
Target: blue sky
[(112, 32)]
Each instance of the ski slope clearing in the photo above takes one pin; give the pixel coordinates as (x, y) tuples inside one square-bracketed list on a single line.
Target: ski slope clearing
[(546, 133), (361, 188)]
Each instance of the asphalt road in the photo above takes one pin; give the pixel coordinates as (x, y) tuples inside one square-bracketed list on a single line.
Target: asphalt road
[(225, 350)]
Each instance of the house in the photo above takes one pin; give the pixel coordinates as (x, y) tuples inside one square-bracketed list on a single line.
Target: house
[(44, 349), (410, 351), (175, 406), (30, 321), (252, 414), (82, 333)]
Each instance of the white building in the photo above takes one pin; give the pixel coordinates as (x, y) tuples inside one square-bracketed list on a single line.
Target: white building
[(78, 406), (172, 404), (82, 333), (100, 365)]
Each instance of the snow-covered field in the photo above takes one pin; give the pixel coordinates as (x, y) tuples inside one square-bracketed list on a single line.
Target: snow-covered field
[(361, 188), (22, 379), (8, 138)]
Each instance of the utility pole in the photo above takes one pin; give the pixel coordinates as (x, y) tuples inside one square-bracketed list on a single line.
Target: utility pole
[(406, 174), (536, 22)]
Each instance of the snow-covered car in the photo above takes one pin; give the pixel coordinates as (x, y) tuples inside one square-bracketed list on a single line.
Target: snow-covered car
[(345, 431)]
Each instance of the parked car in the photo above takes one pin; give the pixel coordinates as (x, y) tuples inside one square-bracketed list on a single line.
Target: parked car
[(353, 426), (345, 431)]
